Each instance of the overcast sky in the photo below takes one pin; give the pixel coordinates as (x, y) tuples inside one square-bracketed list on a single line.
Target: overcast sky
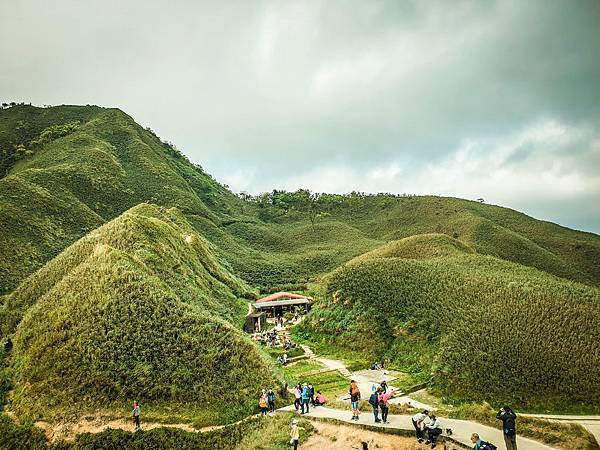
[(499, 100)]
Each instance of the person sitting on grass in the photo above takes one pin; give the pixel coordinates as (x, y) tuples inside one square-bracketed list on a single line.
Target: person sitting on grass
[(320, 399)]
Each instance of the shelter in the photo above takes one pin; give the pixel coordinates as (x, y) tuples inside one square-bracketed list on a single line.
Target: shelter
[(277, 304), (255, 321)]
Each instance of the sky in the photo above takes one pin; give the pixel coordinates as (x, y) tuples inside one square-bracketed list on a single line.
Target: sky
[(480, 99)]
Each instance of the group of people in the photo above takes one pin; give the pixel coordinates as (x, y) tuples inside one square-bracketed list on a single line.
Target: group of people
[(304, 396), (429, 424), (266, 402)]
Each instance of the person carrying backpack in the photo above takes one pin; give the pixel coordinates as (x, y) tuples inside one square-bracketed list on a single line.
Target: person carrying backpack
[(305, 399), (509, 427), (383, 403), (262, 404), (374, 402), (295, 434), (271, 400), (136, 415), (480, 444), (354, 392)]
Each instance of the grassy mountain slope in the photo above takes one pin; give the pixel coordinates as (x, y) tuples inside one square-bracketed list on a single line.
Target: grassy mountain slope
[(76, 182), (139, 308), (483, 327)]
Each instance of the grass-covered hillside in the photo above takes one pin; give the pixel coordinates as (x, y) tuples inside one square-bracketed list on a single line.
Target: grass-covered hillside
[(484, 328), (139, 308)]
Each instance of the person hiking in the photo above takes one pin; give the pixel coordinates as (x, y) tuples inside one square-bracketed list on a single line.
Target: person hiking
[(136, 415), (509, 427), (354, 392), (374, 402), (434, 429), (262, 403), (305, 399), (481, 444), (417, 421), (295, 434), (382, 399), (312, 394), (271, 400), (297, 396), (384, 386), (320, 399)]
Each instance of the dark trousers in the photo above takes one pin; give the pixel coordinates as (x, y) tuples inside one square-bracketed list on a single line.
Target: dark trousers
[(297, 404), (418, 431), (433, 434), (295, 444), (136, 421), (305, 404), (271, 406), (384, 412), (511, 442)]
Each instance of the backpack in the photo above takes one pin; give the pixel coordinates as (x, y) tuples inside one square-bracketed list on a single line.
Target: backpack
[(373, 399), (487, 446)]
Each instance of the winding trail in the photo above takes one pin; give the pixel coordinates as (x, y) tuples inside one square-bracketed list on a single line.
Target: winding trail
[(462, 429)]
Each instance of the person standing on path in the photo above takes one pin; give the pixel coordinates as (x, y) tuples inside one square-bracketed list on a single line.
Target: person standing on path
[(297, 396), (374, 402), (312, 394), (383, 404), (417, 421), (354, 392), (271, 400), (262, 403), (136, 415), (509, 427), (305, 399), (295, 434)]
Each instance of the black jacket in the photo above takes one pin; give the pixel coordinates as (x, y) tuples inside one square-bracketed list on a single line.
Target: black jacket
[(509, 426)]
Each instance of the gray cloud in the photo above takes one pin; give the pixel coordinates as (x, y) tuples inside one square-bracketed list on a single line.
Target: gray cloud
[(377, 96)]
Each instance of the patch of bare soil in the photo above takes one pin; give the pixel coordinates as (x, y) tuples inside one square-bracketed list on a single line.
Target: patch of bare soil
[(341, 437), (69, 431)]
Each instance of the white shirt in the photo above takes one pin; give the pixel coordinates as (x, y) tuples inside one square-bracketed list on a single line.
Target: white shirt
[(418, 417), (435, 424)]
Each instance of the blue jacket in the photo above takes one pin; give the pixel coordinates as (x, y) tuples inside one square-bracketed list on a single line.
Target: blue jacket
[(305, 393)]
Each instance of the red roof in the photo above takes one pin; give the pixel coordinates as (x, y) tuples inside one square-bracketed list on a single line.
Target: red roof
[(279, 296)]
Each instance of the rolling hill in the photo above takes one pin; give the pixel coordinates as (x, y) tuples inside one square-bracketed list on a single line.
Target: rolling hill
[(96, 211)]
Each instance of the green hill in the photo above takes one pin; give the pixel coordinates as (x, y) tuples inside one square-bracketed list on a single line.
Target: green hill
[(70, 176), (139, 308), (483, 327)]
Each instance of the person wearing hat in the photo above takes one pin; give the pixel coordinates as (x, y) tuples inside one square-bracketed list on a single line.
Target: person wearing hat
[(305, 399), (294, 434)]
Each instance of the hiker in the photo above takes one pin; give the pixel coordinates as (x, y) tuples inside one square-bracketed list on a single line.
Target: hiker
[(374, 402), (434, 430), (8, 345), (354, 392), (305, 399), (294, 434), (271, 400), (382, 399), (480, 444), (384, 386), (297, 396), (417, 421), (136, 415), (262, 403), (509, 427), (311, 390), (320, 399)]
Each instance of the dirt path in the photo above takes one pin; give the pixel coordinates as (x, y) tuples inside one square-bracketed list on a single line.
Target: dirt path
[(343, 437)]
